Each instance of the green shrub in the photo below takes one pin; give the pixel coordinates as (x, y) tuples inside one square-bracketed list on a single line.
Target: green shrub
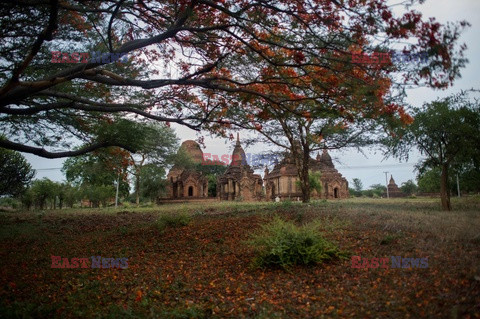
[(9, 202), (173, 220), (283, 244), (285, 205)]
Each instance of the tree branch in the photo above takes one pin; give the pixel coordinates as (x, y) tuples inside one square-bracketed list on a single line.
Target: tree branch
[(44, 153)]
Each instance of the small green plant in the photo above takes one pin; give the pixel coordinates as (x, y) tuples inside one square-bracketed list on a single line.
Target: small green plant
[(193, 311), (286, 204), (283, 244), (173, 220), (199, 213), (123, 230), (387, 240)]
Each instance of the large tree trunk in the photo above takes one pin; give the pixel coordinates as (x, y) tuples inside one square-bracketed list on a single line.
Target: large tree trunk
[(305, 182), (444, 189)]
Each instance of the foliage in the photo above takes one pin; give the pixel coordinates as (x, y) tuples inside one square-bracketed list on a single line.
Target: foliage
[(378, 189), (45, 194), (315, 183), (152, 181), (283, 244), (429, 180), (156, 147), (27, 199), (446, 132), (98, 194), (212, 172), (469, 175), (173, 220), (228, 55), (351, 192), (15, 173), (70, 195), (317, 107), (100, 171), (43, 190), (409, 187), (9, 202), (469, 179), (357, 186)]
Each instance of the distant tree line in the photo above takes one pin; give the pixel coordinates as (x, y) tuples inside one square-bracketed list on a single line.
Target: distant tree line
[(91, 179)]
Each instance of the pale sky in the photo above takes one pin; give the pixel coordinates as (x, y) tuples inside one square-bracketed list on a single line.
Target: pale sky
[(351, 164)]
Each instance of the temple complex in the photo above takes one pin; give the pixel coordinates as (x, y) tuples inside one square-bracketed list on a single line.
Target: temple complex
[(282, 180), (187, 183), (239, 182)]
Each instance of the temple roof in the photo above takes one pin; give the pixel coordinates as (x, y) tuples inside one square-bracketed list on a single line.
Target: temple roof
[(193, 149), (239, 167), (322, 163), (238, 155), (392, 181), (325, 159)]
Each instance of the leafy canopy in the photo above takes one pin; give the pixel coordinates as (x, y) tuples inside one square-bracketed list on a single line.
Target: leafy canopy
[(190, 62), (15, 173)]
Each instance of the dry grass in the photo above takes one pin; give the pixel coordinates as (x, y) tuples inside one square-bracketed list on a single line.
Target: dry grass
[(201, 269)]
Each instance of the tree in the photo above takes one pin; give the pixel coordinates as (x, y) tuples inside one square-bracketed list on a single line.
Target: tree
[(98, 194), (153, 183), (469, 176), (43, 190), (409, 187), (315, 183), (357, 186), (378, 189), (47, 107), (98, 171), (15, 173), (212, 171), (157, 146), (446, 132), (70, 195), (332, 102), (429, 180), (27, 199)]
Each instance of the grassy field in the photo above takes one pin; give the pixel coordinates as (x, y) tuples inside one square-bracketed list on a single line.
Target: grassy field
[(199, 265)]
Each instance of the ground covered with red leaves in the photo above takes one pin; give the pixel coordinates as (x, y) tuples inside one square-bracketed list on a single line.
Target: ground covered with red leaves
[(203, 270)]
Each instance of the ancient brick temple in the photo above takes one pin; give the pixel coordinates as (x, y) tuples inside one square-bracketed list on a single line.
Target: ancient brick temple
[(187, 183), (282, 180), (239, 180), (393, 190)]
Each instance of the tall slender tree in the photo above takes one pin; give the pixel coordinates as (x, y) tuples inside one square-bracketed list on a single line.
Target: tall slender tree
[(157, 146), (446, 132)]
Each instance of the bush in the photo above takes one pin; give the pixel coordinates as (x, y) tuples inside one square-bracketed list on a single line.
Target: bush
[(283, 244), (173, 220), (9, 202), (285, 205)]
